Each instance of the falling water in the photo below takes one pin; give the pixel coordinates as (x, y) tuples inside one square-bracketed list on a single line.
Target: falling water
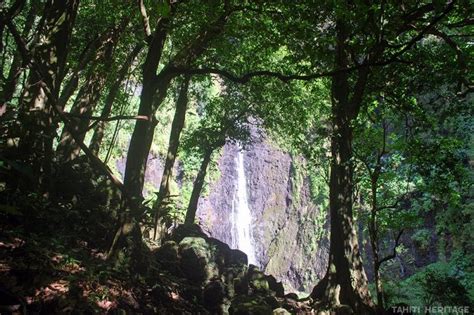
[(241, 215)]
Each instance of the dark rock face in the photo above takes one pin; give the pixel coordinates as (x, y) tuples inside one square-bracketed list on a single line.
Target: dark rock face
[(153, 172), (214, 211), (284, 218)]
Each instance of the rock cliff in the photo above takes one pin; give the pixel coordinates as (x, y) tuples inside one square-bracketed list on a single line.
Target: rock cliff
[(289, 232)]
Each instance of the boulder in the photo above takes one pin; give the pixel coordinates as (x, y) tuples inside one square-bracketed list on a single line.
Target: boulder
[(292, 296), (262, 283), (241, 285), (275, 286), (281, 311), (186, 230), (168, 256), (250, 305), (237, 258), (222, 253), (198, 259), (214, 294)]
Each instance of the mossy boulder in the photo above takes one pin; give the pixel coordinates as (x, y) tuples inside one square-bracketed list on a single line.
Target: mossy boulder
[(250, 305), (186, 230), (168, 256), (262, 283), (214, 294), (198, 259)]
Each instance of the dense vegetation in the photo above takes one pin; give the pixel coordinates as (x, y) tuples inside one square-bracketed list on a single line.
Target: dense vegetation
[(375, 96)]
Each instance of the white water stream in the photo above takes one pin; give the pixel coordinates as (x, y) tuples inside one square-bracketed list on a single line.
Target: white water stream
[(241, 215)]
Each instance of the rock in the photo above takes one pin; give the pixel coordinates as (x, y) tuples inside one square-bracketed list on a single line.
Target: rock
[(285, 216), (259, 282), (222, 253), (167, 252), (249, 305), (197, 259), (275, 286), (343, 310), (237, 257), (241, 285), (235, 279), (281, 311), (292, 296), (187, 230), (213, 295), (168, 256), (272, 301), (162, 294)]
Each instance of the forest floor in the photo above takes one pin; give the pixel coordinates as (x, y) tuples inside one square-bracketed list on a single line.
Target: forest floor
[(52, 261)]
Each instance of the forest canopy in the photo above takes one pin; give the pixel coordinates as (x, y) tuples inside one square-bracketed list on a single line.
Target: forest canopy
[(374, 96)]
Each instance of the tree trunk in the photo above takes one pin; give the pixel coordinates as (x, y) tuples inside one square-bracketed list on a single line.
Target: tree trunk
[(176, 128), (378, 285), (89, 96), (15, 71), (98, 135), (153, 93), (373, 232), (198, 184), (345, 282), (90, 54), (141, 140), (36, 114), (158, 84), (84, 105)]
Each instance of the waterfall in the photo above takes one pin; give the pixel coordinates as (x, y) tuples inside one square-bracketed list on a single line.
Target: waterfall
[(241, 216)]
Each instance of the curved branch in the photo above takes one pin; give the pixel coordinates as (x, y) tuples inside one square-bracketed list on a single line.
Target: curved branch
[(394, 253), (145, 19)]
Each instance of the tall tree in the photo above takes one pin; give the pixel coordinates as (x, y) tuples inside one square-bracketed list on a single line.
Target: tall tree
[(99, 129), (49, 55), (155, 86), (173, 145), (89, 94)]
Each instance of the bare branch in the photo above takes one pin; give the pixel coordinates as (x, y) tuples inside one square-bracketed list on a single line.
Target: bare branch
[(394, 251), (466, 22), (145, 19), (113, 118)]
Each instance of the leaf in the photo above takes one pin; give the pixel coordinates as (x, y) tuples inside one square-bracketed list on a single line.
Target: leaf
[(164, 9)]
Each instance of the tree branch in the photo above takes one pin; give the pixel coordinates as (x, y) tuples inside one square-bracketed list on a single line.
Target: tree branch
[(145, 19), (113, 118), (394, 253), (407, 46), (461, 59), (95, 161), (466, 22)]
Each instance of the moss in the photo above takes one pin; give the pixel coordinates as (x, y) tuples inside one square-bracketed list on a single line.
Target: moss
[(255, 305)]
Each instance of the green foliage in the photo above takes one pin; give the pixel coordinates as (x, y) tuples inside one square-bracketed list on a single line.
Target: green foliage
[(414, 129), (437, 284), (422, 238)]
